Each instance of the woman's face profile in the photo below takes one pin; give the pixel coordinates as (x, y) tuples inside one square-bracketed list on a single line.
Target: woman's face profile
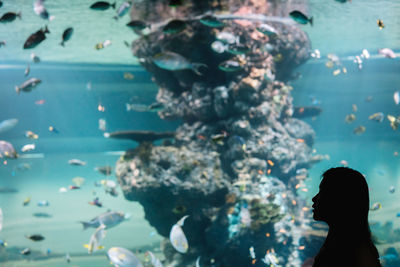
[(321, 204)]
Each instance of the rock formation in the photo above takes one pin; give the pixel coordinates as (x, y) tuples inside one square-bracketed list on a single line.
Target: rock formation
[(240, 156)]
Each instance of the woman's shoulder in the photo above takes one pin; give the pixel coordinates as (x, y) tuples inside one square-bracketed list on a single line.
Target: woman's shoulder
[(367, 255)]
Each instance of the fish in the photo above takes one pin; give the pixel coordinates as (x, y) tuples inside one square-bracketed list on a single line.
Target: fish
[(36, 237), (394, 122), (174, 26), (101, 46), (227, 37), (96, 202), (68, 258), (128, 76), (270, 259), (230, 65), (109, 219), (396, 97), (156, 106), (27, 70), (378, 116), (343, 1), (306, 111), (7, 125), (78, 181), (42, 215), (7, 190), (43, 203), (102, 124), (53, 129), (138, 25), (219, 47), (380, 24), (172, 61), (2, 43), (105, 170), (28, 147), (359, 130), (122, 10), (154, 260), (392, 189), (211, 21), (35, 58), (238, 49), (177, 236), (350, 118), (365, 54), (3, 243), (31, 135), (198, 261), (10, 17), (1, 3), (300, 17), (76, 162), (121, 257), (26, 201), (102, 5), (25, 251), (7, 150), (66, 35), (28, 85), (40, 10), (376, 206), (36, 38), (267, 30), (387, 52), (1, 219), (96, 239)]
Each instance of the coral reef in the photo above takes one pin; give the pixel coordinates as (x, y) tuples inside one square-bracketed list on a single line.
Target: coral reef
[(240, 154)]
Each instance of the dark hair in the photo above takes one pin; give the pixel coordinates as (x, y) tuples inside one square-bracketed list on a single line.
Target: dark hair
[(348, 193)]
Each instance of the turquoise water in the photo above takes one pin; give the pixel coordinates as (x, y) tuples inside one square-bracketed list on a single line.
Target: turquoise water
[(78, 78)]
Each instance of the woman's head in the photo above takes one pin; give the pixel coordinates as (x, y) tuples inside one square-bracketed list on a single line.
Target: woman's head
[(342, 198)]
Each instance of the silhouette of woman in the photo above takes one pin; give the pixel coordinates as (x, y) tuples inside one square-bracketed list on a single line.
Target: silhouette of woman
[(343, 203)]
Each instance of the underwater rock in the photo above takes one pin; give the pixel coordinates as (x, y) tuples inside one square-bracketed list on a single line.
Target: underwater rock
[(235, 159)]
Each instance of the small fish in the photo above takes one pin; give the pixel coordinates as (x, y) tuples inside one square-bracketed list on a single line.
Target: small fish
[(27, 70), (122, 257), (336, 72), (109, 219), (365, 54), (394, 122), (154, 260), (26, 201), (76, 162), (102, 5), (122, 10), (73, 187), (96, 202), (102, 124), (350, 118), (138, 25), (96, 239), (28, 85), (78, 181), (105, 170), (172, 61), (1, 3), (31, 135), (128, 76), (396, 97), (227, 37), (42, 215), (62, 190), (9, 17), (180, 209), (2, 43), (252, 253), (230, 65), (177, 236), (387, 52), (379, 117), (40, 10), (7, 125), (376, 206), (380, 24), (300, 17), (157, 106), (359, 130), (28, 147), (343, 1), (102, 45), (43, 203), (267, 30), (174, 26), (36, 38), (238, 49), (392, 189), (211, 21), (66, 35), (218, 47), (354, 107), (53, 129), (25, 251), (68, 258), (3, 243), (35, 58), (36, 237)]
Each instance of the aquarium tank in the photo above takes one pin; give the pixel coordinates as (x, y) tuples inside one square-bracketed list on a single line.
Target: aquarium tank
[(192, 133)]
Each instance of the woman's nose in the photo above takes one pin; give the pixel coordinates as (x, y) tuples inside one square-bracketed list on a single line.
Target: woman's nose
[(315, 198)]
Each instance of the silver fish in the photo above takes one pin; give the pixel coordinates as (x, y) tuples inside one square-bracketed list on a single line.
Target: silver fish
[(7, 150), (28, 85), (154, 260), (177, 236), (27, 70), (7, 125), (123, 257), (172, 61), (109, 219), (96, 239), (122, 10)]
